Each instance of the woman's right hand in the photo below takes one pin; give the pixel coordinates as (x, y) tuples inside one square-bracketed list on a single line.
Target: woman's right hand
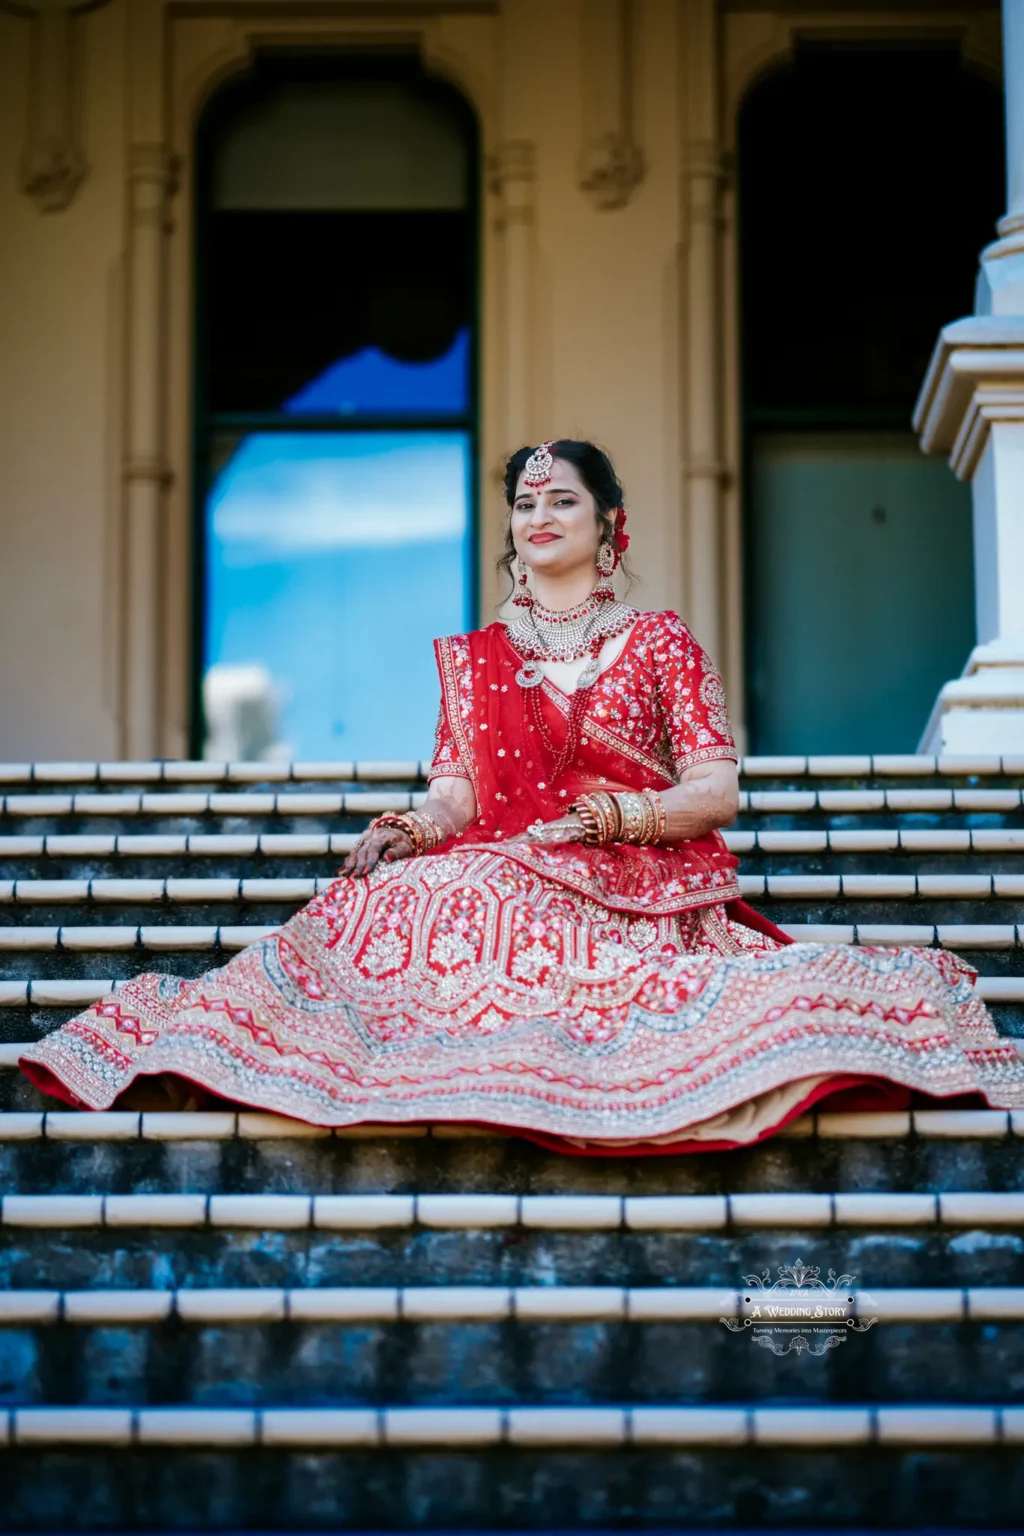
[(377, 843)]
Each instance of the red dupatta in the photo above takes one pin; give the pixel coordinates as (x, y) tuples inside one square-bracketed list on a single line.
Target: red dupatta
[(488, 734)]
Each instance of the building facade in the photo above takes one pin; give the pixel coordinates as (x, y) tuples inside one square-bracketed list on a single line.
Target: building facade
[(629, 285)]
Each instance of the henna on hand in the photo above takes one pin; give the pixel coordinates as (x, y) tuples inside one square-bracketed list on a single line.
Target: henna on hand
[(450, 802), (706, 797), (377, 843)]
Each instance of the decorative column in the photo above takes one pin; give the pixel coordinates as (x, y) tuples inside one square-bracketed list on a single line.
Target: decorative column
[(146, 472), (612, 164), (704, 469), (971, 407), (513, 179)]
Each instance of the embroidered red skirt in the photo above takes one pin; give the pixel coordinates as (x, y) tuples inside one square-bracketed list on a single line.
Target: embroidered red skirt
[(507, 989)]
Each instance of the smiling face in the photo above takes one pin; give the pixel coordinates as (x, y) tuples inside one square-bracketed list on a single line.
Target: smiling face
[(555, 528)]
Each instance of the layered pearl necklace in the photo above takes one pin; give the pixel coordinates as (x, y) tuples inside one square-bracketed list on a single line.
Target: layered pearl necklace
[(567, 634)]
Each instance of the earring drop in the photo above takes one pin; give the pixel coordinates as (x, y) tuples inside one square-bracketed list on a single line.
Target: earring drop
[(607, 560), (523, 597)]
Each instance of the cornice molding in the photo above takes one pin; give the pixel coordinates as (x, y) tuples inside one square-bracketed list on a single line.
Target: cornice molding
[(975, 378)]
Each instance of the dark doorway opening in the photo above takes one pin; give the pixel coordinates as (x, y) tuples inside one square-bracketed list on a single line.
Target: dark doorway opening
[(869, 179), (337, 255)]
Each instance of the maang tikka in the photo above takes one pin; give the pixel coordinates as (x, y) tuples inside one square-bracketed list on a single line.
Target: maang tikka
[(537, 469), (536, 472)]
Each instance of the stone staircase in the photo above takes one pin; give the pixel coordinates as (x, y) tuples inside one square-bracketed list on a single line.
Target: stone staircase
[(233, 1321)]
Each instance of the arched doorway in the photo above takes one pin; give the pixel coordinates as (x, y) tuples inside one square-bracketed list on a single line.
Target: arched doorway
[(335, 401), (869, 179)]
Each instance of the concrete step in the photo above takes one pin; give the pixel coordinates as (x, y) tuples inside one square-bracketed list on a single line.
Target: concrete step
[(899, 766), (71, 1254), (803, 1210), (226, 1152), (442, 1361), (841, 850), (246, 1306), (950, 1424), (47, 804), (183, 771), (256, 1125), (317, 1473)]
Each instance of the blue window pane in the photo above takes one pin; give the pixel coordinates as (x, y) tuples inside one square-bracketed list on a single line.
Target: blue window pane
[(373, 381), (333, 560)]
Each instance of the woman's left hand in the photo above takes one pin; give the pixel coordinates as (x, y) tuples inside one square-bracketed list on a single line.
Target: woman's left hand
[(566, 829)]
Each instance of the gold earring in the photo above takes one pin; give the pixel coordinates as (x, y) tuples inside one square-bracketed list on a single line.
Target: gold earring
[(523, 596), (606, 563)]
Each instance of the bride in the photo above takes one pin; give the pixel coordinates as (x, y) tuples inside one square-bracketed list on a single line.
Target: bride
[(554, 943)]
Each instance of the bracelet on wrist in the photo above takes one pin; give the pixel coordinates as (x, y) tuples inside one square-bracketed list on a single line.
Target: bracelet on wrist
[(420, 827), (624, 816)]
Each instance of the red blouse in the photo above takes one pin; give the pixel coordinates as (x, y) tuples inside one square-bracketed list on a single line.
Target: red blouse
[(661, 701)]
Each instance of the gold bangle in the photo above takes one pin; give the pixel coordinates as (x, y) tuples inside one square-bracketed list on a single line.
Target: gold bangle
[(431, 832), (419, 826), (631, 811), (658, 810), (649, 821), (608, 806), (590, 815)]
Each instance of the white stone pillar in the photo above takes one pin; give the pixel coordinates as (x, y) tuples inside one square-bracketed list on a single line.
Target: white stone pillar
[(971, 407), (145, 471), (704, 468), (1001, 277)]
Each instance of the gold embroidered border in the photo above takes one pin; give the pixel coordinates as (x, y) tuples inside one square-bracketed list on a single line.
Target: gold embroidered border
[(450, 693), (646, 905)]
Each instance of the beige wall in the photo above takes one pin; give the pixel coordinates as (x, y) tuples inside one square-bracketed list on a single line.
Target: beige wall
[(593, 320), (60, 304)]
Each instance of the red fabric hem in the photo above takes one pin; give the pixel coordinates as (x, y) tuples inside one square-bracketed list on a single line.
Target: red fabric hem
[(49, 1083), (841, 1093), (845, 1093)]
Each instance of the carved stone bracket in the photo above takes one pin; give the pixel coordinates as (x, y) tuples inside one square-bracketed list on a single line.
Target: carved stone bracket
[(53, 164), (611, 169), (611, 164)]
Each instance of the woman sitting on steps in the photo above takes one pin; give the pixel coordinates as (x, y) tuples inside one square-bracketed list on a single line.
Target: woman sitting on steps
[(554, 944)]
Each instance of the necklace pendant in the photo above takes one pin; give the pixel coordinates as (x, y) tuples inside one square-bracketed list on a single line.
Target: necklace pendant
[(590, 674), (529, 675)]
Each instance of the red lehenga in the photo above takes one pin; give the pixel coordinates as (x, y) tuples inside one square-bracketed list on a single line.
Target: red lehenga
[(614, 999)]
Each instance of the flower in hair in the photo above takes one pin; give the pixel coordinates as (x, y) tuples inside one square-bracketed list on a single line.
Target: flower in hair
[(619, 537)]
